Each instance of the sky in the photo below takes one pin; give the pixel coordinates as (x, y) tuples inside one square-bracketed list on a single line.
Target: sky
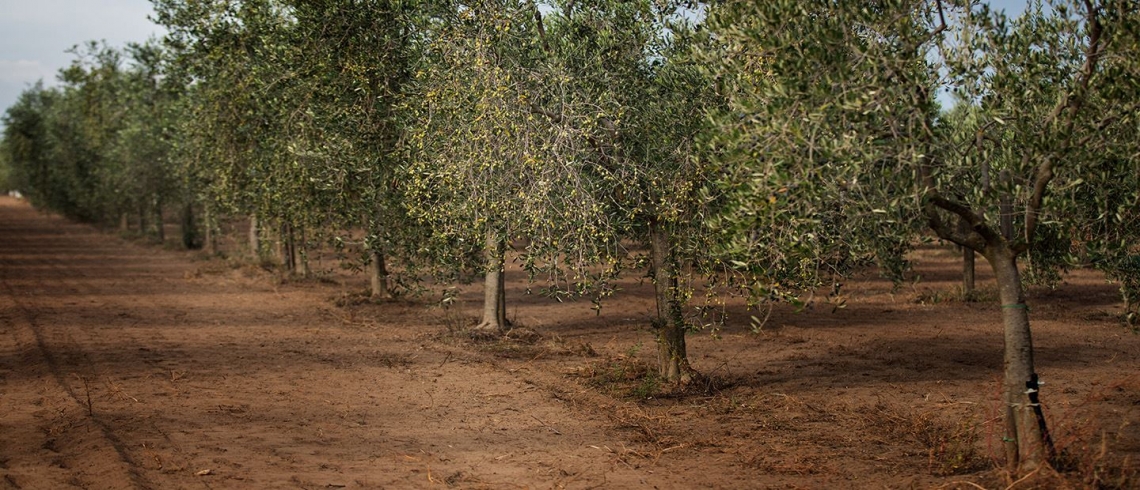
[(36, 34)]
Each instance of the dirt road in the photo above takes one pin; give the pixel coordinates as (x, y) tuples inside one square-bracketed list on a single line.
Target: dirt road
[(121, 367), (126, 366)]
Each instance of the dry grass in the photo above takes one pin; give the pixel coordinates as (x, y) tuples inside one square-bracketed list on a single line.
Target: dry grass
[(624, 376), (1088, 441), (950, 443)]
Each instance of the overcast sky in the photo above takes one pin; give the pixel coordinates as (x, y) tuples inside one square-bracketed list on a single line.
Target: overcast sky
[(35, 35)]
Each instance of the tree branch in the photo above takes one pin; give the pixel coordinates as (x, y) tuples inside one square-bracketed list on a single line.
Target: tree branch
[(932, 201), (1044, 172), (1074, 101), (541, 28), (552, 116), (979, 234), (941, 19)]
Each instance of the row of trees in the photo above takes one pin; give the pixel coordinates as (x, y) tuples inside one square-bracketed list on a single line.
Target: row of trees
[(93, 149), (760, 148)]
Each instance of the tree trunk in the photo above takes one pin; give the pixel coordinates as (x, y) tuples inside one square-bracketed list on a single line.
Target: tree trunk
[(189, 232), (288, 257), (303, 254), (494, 292), (142, 220), (124, 223), (968, 282), (1027, 443), (159, 224), (669, 326), (1005, 208), (211, 240), (378, 273), (254, 238)]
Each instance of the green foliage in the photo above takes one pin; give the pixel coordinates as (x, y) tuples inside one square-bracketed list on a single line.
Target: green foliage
[(834, 145), (291, 110), (6, 181), (502, 141), (25, 145), (821, 137), (775, 144), (643, 96), (1054, 130), (95, 147)]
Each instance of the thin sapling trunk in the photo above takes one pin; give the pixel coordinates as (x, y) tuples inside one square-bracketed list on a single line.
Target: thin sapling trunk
[(254, 238), (159, 224), (211, 240), (968, 269), (669, 326), (494, 293), (189, 232), (303, 255)]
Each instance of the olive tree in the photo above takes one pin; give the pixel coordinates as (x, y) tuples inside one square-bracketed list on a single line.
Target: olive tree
[(353, 66), (495, 152), (139, 166), (227, 118), (304, 99), (846, 90), (83, 124), (649, 97)]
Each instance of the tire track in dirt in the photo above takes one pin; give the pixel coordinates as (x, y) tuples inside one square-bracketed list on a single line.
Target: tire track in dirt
[(103, 452), (113, 352)]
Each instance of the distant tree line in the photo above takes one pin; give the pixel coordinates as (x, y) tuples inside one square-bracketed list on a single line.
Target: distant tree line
[(738, 147)]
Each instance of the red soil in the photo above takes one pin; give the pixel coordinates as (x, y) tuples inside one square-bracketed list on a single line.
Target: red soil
[(127, 366)]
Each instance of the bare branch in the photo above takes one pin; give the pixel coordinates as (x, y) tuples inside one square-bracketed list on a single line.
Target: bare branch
[(552, 116), (941, 19)]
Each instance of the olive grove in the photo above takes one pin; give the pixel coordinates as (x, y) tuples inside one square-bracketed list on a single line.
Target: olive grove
[(767, 149)]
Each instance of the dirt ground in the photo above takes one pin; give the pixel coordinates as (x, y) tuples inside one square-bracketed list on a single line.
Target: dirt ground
[(131, 366)]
